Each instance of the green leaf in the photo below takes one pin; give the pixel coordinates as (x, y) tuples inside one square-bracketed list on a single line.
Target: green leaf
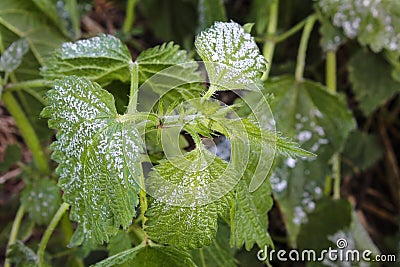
[(329, 217), (374, 23), (77, 238), (22, 18), (29, 67), (102, 59), (372, 82), (361, 151), (42, 200), (209, 12), (167, 71), (319, 122), (231, 56), (11, 155), (331, 36), (98, 156), (151, 256), (118, 243), (160, 256), (57, 12), (158, 58), (250, 214), (266, 138), (21, 255), (12, 56), (121, 257), (189, 195), (219, 253), (250, 143)]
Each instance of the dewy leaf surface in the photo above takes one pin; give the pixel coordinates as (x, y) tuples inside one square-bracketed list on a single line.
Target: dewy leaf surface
[(231, 56), (319, 122), (102, 59), (372, 82), (179, 203), (98, 156), (12, 56)]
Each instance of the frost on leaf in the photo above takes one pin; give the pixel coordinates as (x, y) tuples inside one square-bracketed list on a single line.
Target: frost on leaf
[(102, 59), (98, 156), (374, 22), (12, 56), (231, 56), (41, 199), (190, 177), (319, 122)]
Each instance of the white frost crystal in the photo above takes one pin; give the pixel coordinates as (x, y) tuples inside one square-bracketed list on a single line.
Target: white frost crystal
[(236, 57)]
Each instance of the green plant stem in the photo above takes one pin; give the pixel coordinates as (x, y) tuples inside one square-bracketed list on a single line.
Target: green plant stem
[(138, 234), (49, 230), (301, 55), (211, 90), (14, 230), (336, 176), (332, 88), (202, 258), (290, 32), (27, 131), (129, 16), (133, 96), (331, 71), (28, 84), (142, 199), (269, 44)]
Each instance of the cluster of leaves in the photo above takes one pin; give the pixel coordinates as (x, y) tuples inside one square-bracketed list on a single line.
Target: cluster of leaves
[(103, 135), (99, 151)]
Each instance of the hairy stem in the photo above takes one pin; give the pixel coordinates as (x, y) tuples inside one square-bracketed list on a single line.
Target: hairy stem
[(49, 230), (133, 96), (129, 16), (27, 132), (28, 84), (14, 230), (269, 44), (301, 55), (331, 85)]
